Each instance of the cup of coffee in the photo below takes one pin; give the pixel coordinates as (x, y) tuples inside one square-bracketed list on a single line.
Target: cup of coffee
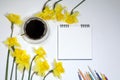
[(35, 30)]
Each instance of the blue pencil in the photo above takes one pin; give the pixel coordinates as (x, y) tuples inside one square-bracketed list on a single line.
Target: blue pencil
[(98, 76), (79, 76), (91, 76)]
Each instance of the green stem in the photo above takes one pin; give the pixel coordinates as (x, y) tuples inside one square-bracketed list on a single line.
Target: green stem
[(12, 27), (47, 74), (77, 6), (13, 48), (32, 75), (31, 67), (23, 74), (45, 4), (56, 3), (7, 62), (23, 34), (12, 69), (7, 65), (16, 72)]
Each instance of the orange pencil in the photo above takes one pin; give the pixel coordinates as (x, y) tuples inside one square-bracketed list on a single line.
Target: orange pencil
[(88, 76), (80, 72), (103, 77)]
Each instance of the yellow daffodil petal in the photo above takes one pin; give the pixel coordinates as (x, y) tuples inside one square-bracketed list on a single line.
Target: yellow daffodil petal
[(14, 18), (58, 69), (12, 41), (41, 67)]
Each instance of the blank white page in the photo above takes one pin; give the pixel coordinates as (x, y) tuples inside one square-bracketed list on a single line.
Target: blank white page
[(74, 42)]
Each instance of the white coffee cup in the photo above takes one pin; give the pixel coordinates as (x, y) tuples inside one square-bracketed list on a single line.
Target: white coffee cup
[(35, 30)]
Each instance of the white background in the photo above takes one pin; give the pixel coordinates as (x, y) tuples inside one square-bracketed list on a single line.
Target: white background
[(102, 15)]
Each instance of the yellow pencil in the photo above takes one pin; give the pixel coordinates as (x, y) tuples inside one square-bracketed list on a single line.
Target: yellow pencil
[(103, 77)]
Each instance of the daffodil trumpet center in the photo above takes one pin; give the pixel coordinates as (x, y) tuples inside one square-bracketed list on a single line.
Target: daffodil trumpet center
[(47, 74), (72, 11), (45, 5), (56, 3)]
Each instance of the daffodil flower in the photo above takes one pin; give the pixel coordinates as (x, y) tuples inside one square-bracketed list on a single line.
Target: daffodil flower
[(71, 18), (41, 67), (58, 69), (40, 53), (23, 61), (15, 54), (21, 58), (12, 41), (14, 18), (59, 12), (18, 52), (46, 14)]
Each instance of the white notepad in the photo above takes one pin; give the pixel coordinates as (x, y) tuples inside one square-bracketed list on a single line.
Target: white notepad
[(74, 42)]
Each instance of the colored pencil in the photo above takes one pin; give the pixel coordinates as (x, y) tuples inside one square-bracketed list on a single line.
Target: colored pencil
[(91, 76), (87, 76), (81, 74), (106, 77), (98, 76), (94, 75), (103, 77)]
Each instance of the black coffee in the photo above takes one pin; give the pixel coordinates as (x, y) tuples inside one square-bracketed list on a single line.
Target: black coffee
[(35, 29)]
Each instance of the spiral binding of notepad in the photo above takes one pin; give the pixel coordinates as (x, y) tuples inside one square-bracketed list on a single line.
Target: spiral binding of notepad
[(74, 25), (64, 25)]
